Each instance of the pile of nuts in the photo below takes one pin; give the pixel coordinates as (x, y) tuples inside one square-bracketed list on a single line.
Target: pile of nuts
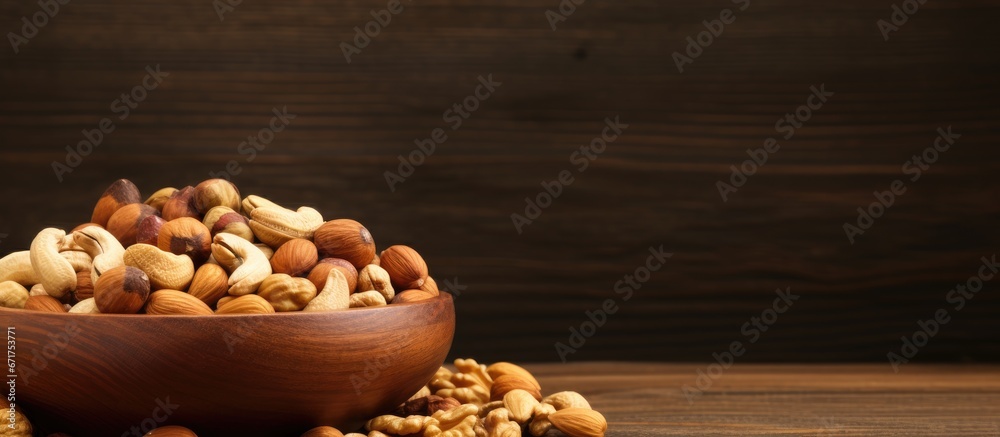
[(500, 400), (206, 250)]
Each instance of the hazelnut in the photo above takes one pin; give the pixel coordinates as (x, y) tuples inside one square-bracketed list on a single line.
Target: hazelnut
[(149, 230), (319, 273), (124, 223), (180, 204), (122, 192), (346, 239), (170, 431), (121, 290), (216, 192), (160, 197), (323, 431), (405, 266), (225, 219), (186, 236), (295, 258), (210, 283)]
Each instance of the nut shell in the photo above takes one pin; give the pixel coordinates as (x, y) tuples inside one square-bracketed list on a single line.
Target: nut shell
[(166, 302), (346, 239), (121, 290), (295, 258), (405, 266)]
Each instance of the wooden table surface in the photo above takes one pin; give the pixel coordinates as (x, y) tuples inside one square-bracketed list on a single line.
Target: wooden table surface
[(786, 399)]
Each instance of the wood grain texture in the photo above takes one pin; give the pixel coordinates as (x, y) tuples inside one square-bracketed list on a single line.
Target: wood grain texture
[(653, 186), (267, 374), (787, 399)]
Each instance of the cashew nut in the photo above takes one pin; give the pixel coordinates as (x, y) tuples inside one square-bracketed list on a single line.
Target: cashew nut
[(107, 252), (53, 271), (165, 270), (12, 295), (246, 264), (335, 295), (274, 224), (17, 267), (86, 306), (80, 261), (566, 399)]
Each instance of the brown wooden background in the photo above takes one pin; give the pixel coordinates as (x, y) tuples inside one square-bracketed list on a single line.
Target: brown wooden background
[(654, 186)]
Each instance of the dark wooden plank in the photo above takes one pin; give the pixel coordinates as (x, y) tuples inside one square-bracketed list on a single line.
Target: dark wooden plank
[(653, 186), (806, 400)]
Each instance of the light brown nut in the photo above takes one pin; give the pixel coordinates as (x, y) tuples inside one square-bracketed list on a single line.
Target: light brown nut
[(160, 197), (405, 266), (121, 192), (474, 370), (319, 273), (397, 425), (459, 421), (124, 223), (521, 405), (346, 239), (44, 303), (86, 306), (37, 290), (52, 270), (16, 267), (216, 192), (296, 257), (246, 304), (84, 286), (504, 368), (540, 420), (17, 424), (505, 383), (373, 277), (579, 422), (370, 298), (12, 295), (246, 264), (210, 283), (274, 225), (78, 259), (107, 252), (566, 399), (186, 236), (476, 394), (180, 204), (166, 270), (412, 296), (173, 302), (498, 424), (334, 296), (286, 293), (121, 290), (323, 431)]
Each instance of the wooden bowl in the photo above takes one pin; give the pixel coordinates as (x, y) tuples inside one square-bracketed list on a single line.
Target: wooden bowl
[(263, 374)]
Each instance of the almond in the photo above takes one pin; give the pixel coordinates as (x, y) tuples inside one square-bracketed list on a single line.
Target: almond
[(412, 296), (44, 303), (505, 383), (210, 283), (246, 304), (406, 267), (496, 370), (167, 302), (579, 422)]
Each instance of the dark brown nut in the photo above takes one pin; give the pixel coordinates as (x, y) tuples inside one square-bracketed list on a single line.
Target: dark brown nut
[(149, 230), (84, 286), (186, 236), (121, 290), (180, 204), (225, 219), (122, 192), (124, 223), (160, 197)]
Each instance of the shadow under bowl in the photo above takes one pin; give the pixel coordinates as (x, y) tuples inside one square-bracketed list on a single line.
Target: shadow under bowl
[(262, 374)]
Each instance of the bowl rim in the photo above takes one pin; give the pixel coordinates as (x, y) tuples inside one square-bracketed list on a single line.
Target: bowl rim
[(444, 295)]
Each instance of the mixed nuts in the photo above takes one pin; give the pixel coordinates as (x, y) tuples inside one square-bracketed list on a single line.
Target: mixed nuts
[(499, 400), (202, 250)]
